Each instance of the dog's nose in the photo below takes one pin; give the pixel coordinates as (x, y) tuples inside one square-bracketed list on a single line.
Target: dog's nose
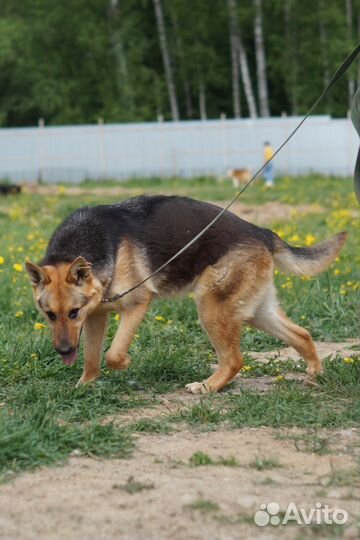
[(65, 350)]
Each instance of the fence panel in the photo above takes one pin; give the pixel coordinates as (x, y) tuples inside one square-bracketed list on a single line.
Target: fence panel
[(188, 148)]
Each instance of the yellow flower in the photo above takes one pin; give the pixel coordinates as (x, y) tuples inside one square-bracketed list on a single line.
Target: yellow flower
[(279, 378), (39, 326), (34, 356), (349, 360), (61, 190), (19, 314), (117, 317), (246, 368), (18, 267), (337, 272), (309, 239), (294, 238), (2, 260), (160, 318)]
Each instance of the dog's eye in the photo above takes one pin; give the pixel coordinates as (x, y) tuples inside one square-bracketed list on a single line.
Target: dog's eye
[(51, 315), (74, 313)]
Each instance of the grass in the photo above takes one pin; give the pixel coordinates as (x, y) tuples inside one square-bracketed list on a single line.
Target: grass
[(132, 486), (199, 459), (43, 418), (334, 403), (262, 463), (203, 505)]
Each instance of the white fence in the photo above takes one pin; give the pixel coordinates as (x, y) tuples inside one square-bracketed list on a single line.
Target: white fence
[(189, 148)]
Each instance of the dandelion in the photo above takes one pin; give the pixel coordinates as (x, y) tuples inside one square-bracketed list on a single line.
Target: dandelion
[(39, 326), (117, 317), (19, 314), (18, 267), (246, 368), (337, 272), (309, 239), (279, 378), (34, 356), (160, 318), (349, 360), (2, 260), (294, 238)]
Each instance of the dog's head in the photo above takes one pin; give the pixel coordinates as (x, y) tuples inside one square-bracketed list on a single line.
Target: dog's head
[(65, 294)]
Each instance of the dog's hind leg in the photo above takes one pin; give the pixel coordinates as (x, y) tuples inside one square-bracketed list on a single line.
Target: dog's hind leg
[(271, 319), (117, 357), (94, 333), (223, 329)]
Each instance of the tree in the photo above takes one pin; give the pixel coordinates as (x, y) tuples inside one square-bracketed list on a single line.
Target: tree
[(244, 66), (261, 60), (234, 63), (166, 60)]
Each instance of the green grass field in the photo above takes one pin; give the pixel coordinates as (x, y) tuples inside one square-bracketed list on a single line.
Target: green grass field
[(43, 418)]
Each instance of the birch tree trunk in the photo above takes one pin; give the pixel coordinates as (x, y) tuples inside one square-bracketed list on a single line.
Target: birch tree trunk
[(244, 67), (166, 60), (292, 64), (261, 60), (182, 66), (123, 78), (349, 28), (324, 51), (202, 101), (234, 65)]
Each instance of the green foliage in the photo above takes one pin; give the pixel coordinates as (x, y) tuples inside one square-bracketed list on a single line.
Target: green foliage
[(76, 62)]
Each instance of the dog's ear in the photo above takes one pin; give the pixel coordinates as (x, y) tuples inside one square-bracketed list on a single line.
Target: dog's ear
[(38, 275), (79, 271)]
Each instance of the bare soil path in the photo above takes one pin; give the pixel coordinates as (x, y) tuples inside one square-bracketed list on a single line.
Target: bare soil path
[(158, 495)]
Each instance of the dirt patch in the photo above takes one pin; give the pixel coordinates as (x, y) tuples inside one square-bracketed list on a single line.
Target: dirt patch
[(261, 214), (158, 495), (272, 211), (87, 499)]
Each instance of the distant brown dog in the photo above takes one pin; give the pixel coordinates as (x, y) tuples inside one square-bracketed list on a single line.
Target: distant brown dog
[(239, 176), (101, 251)]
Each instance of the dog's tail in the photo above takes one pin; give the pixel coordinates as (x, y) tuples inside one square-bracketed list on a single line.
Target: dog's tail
[(307, 260)]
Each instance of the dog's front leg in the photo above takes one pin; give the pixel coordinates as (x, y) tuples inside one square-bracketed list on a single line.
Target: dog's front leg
[(117, 357), (94, 333)]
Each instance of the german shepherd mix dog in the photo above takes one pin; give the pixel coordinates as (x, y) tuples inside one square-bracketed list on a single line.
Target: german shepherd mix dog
[(101, 251)]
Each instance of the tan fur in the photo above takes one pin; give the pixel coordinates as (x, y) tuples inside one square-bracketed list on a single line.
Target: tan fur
[(238, 289), (239, 176)]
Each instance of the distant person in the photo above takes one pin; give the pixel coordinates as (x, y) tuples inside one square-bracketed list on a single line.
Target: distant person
[(269, 169)]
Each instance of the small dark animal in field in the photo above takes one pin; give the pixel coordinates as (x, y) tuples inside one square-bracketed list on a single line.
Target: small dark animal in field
[(9, 189), (104, 250)]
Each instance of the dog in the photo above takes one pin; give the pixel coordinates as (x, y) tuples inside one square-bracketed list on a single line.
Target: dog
[(239, 176), (100, 251), (10, 189)]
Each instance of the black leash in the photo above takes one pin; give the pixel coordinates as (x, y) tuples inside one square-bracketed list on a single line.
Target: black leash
[(355, 116)]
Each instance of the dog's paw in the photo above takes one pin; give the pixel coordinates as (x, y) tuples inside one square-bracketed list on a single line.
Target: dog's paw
[(197, 388), (311, 382), (120, 361), (85, 379)]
